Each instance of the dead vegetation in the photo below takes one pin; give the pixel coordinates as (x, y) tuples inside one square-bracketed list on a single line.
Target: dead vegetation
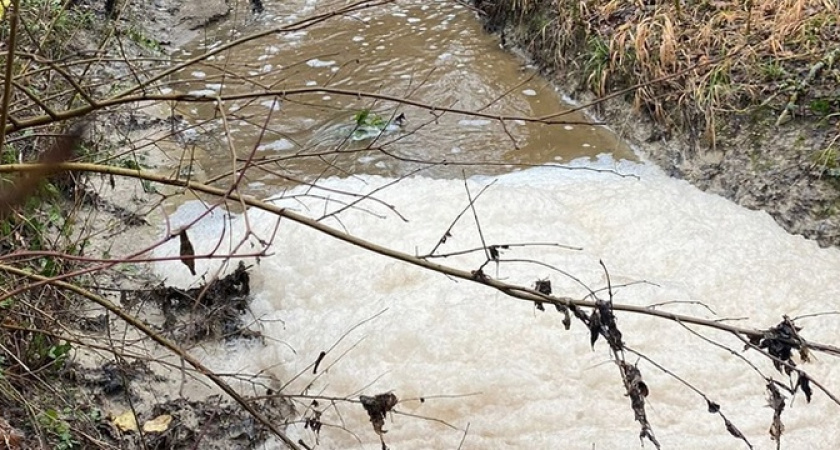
[(739, 98), (703, 60)]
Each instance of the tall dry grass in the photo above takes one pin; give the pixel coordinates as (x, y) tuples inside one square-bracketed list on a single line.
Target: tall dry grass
[(716, 56)]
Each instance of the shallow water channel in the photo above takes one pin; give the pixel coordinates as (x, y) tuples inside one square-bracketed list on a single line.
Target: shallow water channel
[(434, 53), (474, 368)]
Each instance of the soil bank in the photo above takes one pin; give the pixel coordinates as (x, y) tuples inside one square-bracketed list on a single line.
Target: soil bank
[(739, 99)]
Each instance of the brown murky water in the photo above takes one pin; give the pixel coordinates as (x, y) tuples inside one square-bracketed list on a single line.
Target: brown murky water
[(430, 52)]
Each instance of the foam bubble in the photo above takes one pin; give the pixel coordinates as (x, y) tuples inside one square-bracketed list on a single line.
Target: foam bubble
[(518, 378)]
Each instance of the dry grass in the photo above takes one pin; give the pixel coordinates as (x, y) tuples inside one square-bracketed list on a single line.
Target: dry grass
[(702, 59), (717, 56)]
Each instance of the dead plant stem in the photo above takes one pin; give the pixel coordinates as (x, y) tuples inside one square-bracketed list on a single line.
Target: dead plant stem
[(12, 14)]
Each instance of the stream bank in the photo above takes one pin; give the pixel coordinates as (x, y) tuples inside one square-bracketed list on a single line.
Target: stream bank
[(148, 394), (758, 125)]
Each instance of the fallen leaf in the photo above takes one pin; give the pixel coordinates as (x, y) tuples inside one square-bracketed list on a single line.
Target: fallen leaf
[(377, 408), (714, 408), (125, 421), (804, 383), (187, 252), (158, 425)]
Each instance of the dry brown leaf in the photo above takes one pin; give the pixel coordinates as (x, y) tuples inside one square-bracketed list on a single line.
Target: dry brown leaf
[(377, 408), (125, 422), (187, 251), (158, 425)]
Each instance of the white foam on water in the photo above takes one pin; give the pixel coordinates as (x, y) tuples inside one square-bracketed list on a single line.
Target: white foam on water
[(278, 145), (204, 93), (319, 63), (533, 384), (294, 35), (474, 122), (273, 105)]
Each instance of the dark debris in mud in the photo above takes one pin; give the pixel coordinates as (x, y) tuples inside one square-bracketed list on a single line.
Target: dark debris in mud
[(112, 378), (210, 311)]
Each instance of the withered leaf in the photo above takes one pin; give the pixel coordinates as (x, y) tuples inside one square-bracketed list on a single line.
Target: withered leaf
[(543, 287), (733, 430), (714, 408), (777, 402), (158, 425), (776, 430), (780, 342), (314, 423), (494, 252), (377, 408), (126, 421), (643, 389), (567, 319), (187, 251), (594, 327), (804, 354), (804, 383)]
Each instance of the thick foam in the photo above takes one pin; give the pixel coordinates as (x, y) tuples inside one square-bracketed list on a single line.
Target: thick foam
[(512, 373)]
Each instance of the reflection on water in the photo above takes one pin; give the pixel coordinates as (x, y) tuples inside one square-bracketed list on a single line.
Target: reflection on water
[(432, 53)]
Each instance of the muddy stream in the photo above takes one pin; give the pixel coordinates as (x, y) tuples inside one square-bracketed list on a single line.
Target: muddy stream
[(473, 368), (431, 52)]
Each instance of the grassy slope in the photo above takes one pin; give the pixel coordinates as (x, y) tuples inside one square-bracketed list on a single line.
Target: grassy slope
[(739, 78)]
